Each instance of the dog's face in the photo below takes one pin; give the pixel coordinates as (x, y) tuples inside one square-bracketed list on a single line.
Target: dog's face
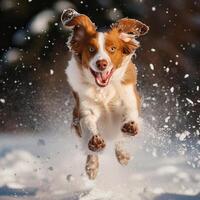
[(101, 53)]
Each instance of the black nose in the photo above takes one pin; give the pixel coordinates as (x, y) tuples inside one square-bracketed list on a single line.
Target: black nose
[(102, 64)]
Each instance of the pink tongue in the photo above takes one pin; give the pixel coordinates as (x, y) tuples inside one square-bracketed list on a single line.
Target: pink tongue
[(98, 77), (102, 77), (105, 76)]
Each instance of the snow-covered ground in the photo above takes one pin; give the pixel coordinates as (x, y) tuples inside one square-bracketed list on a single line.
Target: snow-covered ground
[(51, 166)]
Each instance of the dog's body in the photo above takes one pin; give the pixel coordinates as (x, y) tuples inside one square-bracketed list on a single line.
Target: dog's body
[(103, 79)]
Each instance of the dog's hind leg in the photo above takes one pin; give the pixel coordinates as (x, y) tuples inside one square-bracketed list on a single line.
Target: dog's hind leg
[(92, 166), (122, 155), (76, 116)]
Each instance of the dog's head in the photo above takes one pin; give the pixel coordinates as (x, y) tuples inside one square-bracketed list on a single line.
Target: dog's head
[(102, 53)]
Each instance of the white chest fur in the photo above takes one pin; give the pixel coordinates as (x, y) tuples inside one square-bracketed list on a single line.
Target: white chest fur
[(83, 84), (102, 107)]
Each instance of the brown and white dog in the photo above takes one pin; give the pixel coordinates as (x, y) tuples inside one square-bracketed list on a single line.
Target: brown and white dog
[(103, 79)]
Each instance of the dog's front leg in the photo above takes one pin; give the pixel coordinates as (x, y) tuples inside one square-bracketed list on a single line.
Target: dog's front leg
[(131, 104), (96, 143), (89, 116)]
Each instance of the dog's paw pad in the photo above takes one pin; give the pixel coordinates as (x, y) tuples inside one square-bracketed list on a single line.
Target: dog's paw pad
[(130, 128), (92, 166), (122, 156), (96, 143)]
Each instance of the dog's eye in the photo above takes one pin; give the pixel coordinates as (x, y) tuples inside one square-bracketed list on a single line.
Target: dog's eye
[(112, 49), (91, 49)]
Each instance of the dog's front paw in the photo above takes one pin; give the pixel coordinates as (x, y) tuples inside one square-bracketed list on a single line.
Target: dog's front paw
[(96, 143), (130, 128), (92, 166)]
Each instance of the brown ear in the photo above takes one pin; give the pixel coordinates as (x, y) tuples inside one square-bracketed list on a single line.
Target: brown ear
[(74, 20), (131, 27)]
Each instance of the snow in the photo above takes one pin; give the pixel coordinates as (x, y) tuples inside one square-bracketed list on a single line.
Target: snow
[(167, 119), (151, 66), (33, 162), (172, 89), (114, 14), (12, 55), (40, 23), (59, 6), (181, 136), (2, 100), (167, 69), (186, 76), (16, 169), (51, 71), (153, 50), (168, 169), (155, 85), (153, 8), (70, 178), (190, 101)]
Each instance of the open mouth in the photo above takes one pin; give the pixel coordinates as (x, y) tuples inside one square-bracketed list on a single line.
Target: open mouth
[(102, 78)]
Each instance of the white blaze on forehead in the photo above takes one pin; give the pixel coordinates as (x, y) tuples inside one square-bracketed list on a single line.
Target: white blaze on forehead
[(101, 53)]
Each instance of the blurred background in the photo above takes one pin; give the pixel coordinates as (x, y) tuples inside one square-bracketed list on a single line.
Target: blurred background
[(34, 95)]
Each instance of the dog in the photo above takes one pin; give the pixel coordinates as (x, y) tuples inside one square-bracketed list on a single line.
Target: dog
[(103, 80)]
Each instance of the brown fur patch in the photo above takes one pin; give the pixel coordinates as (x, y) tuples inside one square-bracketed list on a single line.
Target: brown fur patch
[(86, 55), (84, 37), (112, 41), (122, 48), (82, 47), (138, 98), (131, 26), (130, 77)]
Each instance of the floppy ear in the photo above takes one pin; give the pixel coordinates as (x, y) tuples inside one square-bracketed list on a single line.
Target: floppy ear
[(130, 28), (79, 23)]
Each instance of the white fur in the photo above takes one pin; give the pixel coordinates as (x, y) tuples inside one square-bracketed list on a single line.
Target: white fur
[(101, 54), (73, 14), (119, 73), (128, 37), (102, 108)]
